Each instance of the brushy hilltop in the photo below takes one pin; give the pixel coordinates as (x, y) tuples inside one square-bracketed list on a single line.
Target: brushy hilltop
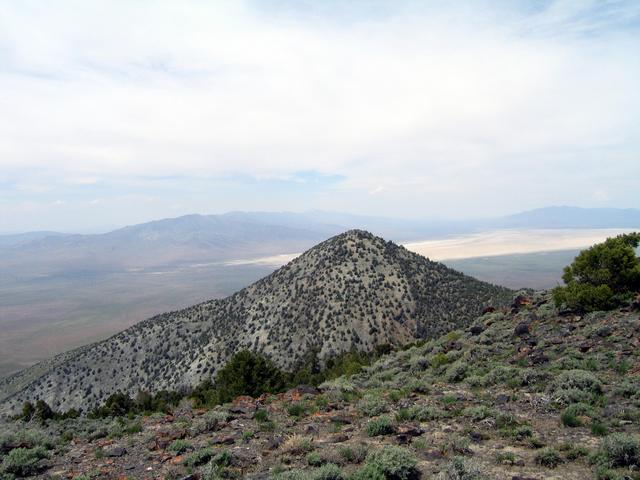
[(525, 392), (354, 291)]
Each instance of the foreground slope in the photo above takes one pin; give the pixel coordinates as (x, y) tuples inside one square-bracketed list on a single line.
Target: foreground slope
[(523, 393), (354, 291)]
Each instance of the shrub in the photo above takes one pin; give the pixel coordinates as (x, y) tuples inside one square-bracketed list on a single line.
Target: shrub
[(330, 471), (314, 459), (368, 472), (579, 379), (246, 373), (208, 422), (506, 458), (353, 454), (296, 410), (179, 446), (23, 461), (479, 413), (548, 457), (380, 426), (621, 450), (438, 360), (456, 372), (602, 275), (372, 405), (598, 428), (576, 386), (456, 444), (461, 469), (570, 415), (393, 463), (261, 416), (297, 445), (629, 389), (199, 457)]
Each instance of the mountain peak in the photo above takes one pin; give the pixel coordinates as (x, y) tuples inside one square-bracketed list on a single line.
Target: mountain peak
[(353, 291)]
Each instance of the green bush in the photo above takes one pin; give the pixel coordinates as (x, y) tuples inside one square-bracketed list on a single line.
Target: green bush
[(461, 469), (314, 459), (570, 415), (480, 413), (576, 386), (329, 471), (296, 410), (601, 276), (456, 372), (372, 405), (391, 463), (455, 444), (621, 450), (199, 457), (353, 454), (23, 461), (548, 457), (380, 426), (179, 446)]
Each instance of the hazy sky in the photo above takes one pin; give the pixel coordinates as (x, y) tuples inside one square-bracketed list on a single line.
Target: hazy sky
[(115, 112)]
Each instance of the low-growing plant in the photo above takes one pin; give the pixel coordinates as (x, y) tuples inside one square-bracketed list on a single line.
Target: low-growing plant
[(482, 412), (570, 417), (598, 428), (389, 462), (460, 468), (199, 457), (179, 446), (621, 450), (23, 461), (314, 459), (506, 458), (548, 457), (380, 426), (261, 416), (354, 453), (296, 410), (456, 444), (372, 405), (329, 471), (297, 445), (576, 386)]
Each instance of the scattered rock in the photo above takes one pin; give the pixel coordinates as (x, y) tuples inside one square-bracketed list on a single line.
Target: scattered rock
[(115, 452), (519, 302), (476, 329), (522, 329), (223, 440), (274, 443)]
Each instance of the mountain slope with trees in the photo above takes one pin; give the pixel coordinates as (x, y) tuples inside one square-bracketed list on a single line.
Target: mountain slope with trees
[(354, 291)]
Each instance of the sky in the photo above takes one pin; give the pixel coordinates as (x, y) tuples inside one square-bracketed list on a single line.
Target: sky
[(120, 111)]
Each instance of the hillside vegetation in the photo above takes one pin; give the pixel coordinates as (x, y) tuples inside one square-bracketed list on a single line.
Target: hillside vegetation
[(352, 292), (521, 393)]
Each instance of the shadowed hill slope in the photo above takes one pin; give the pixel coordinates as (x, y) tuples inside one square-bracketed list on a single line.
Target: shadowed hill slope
[(353, 291)]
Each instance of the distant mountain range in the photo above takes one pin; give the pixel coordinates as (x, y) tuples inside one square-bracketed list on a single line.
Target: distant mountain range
[(353, 291), (206, 238)]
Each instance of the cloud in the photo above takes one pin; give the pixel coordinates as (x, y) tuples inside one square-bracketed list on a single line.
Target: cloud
[(481, 106)]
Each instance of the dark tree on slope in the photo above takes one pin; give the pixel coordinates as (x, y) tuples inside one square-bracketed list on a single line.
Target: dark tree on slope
[(603, 276)]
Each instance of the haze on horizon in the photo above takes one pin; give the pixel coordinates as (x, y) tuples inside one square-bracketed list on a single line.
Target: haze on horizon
[(121, 112)]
